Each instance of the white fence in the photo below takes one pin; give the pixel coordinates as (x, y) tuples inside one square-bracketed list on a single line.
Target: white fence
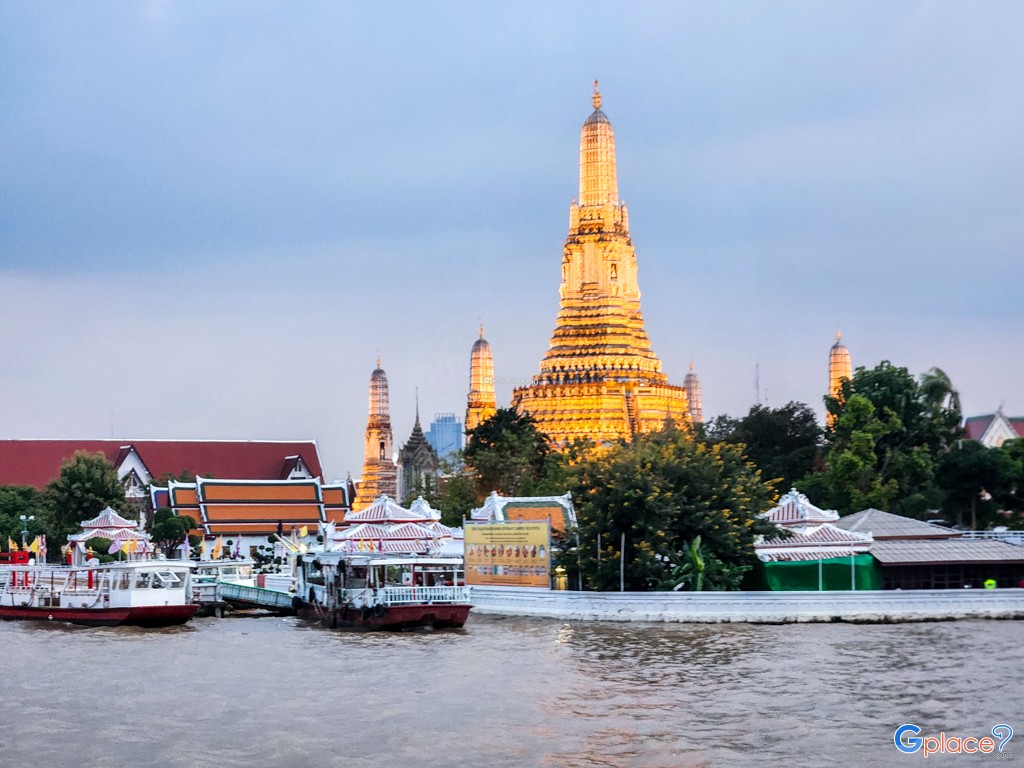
[(753, 607), (412, 595)]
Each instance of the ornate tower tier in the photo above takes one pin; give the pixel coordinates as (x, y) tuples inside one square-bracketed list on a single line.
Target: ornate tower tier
[(481, 402), (600, 379), (380, 475), (695, 402), (839, 367)]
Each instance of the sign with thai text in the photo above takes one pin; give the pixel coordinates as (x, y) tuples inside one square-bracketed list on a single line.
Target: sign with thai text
[(508, 554)]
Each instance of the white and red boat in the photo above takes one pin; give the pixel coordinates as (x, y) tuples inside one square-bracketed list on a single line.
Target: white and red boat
[(379, 591), (145, 593)]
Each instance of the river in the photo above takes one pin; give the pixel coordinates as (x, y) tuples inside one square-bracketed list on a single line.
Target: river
[(502, 692)]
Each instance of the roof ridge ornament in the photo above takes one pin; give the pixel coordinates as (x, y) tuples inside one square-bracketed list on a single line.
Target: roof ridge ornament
[(597, 95)]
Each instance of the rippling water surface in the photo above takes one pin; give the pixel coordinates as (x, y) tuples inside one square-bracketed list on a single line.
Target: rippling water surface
[(502, 692)]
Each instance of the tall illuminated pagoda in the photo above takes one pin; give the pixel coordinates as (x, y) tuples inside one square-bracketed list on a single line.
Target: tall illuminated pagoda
[(380, 475), (481, 402), (694, 401), (599, 379), (839, 367)]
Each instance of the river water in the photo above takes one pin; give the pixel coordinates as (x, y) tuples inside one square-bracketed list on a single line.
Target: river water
[(502, 692)]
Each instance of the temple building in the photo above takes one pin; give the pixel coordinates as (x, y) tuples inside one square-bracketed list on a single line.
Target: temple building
[(418, 463), (600, 379), (694, 403), (481, 403), (380, 475), (839, 368)]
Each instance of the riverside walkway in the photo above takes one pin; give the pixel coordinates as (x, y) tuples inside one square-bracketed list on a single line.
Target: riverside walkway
[(877, 606)]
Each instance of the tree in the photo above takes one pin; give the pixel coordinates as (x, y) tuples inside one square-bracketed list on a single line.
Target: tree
[(15, 501), (170, 531), (937, 391), (506, 453), (979, 483), (884, 443), (87, 484), (783, 442), (663, 490), (458, 498)]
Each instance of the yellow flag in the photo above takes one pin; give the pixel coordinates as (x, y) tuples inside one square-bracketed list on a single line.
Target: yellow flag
[(202, 549), (12, 546), (34, 546), (217, 548), (303, 531)]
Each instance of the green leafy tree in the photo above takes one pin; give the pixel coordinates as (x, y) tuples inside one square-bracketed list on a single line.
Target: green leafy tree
[(507, 453), (458, 498), (662, 491), (15, 501), (888, 434), (979, 483), (170, 531), (86, 485), (783, 442)]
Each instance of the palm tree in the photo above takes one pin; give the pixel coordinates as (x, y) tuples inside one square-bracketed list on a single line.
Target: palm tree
[(937, 390)]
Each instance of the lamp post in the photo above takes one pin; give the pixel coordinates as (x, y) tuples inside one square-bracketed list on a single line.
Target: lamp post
[(25, 520)]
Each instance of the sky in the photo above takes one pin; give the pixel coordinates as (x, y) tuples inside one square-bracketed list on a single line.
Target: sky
[(215, 216)]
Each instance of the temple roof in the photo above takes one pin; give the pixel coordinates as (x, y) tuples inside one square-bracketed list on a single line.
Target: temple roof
[(37, 462), (109, 518), (795, 509)]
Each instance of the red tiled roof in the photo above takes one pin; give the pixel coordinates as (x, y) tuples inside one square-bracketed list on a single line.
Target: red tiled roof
[(37, 462), (975, 426)]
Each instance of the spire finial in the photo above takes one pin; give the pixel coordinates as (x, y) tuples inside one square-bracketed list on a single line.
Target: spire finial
[(378, 360), (691, 366), (597, 95), (417, 405), (839, 335), (481, 330)]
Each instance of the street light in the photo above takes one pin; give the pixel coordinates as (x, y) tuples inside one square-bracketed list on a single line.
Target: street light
[(25, 520)]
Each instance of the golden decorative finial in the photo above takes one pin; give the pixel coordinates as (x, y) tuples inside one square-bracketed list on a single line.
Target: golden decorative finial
[(691, 366), (378, 361), (481, 330), (597, 96), (839, 336)]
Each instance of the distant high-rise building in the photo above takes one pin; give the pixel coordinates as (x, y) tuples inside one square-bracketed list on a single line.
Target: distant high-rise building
[(839, 368), (481, 403), (445, 435), (418, 464), (600, 379), (693, 399), (380, 475)]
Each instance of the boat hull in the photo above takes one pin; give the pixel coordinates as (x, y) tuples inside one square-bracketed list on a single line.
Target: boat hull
[(139, 616), (393, 618)]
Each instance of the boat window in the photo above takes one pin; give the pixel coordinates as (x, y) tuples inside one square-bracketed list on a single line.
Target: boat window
[(167, 579), (245, 571), (142, 580), (124, 580)]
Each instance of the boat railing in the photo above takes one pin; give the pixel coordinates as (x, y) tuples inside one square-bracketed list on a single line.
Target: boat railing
[(418, 595)]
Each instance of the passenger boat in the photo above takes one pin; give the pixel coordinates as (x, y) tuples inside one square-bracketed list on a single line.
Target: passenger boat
[(378, 591), (144, 593)]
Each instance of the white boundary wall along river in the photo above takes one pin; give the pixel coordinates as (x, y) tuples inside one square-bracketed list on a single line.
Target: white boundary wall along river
[(753, 607)]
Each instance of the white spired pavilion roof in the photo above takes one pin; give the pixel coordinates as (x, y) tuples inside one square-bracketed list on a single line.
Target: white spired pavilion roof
[(795, 510), (814, 534)]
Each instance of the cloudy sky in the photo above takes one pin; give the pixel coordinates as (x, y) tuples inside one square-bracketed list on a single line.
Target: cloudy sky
[(213, 216)]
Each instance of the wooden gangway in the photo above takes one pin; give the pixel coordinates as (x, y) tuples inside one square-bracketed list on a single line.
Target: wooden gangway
[(243, 596)]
